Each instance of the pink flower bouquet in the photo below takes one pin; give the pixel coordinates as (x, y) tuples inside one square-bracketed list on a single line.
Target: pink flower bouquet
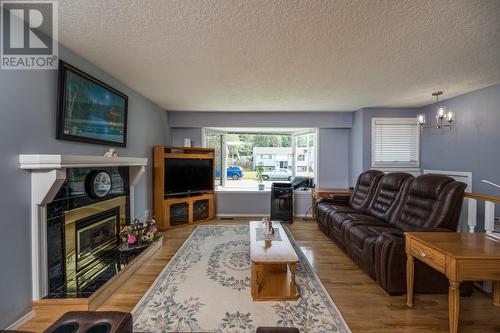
[(140, 232)]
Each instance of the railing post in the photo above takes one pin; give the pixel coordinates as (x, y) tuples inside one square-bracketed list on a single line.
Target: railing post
[(472, 214), (489, 216)]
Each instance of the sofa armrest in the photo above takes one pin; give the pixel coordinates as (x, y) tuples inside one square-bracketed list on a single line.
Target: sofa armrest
[(390, 262)]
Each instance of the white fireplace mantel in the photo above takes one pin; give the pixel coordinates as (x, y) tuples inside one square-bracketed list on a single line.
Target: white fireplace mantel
[(48, 173), (53, 161)]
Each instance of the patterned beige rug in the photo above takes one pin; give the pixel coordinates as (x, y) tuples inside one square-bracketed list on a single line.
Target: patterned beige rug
[(206, 288)]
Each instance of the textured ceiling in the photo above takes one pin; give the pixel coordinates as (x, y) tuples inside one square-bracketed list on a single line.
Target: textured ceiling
[(270, 55)]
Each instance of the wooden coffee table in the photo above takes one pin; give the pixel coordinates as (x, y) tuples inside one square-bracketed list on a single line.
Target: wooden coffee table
[(273, 264)]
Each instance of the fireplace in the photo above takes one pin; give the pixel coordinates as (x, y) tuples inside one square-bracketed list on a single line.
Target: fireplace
[(91, 233), (57, 188)]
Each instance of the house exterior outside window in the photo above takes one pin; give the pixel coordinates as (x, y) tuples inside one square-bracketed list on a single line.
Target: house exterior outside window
[(272, 157)]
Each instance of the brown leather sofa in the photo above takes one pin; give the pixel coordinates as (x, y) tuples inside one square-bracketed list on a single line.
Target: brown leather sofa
[(112, 322), (370, 224), (92, 322)]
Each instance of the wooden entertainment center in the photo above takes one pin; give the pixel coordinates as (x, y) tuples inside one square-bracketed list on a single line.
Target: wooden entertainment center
[(177, 210)]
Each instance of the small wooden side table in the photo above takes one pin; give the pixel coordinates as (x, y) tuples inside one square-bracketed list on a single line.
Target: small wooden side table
[(318, 193), (461, 257)]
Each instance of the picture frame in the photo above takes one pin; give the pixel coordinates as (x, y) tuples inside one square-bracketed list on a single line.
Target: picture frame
[(90, 110)]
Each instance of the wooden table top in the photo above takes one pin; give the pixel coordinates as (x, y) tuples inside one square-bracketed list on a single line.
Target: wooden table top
[(275, 252), (460, 245), (328, 191)]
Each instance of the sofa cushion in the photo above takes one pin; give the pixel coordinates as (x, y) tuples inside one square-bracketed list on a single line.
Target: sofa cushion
[(339, 218), (365, 187), (339, 222), (334, 220), (347, 225), (390, 189), (325, 208), (359, 233)]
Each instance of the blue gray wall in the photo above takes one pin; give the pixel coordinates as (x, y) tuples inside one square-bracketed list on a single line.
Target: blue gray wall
[(179, 134), (260, 119), (368, 114), (334, 131), (474, 143), (360, 153), (333, 149), (333, 157), (356, 147), (28, 125)]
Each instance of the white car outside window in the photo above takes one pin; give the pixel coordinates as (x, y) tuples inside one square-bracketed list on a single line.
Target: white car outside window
[(277, 174)]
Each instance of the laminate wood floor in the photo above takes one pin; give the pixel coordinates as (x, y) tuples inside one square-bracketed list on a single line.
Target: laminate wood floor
[(364, 305)]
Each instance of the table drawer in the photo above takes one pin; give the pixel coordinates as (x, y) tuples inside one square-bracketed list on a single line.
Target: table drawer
[(428, 255)]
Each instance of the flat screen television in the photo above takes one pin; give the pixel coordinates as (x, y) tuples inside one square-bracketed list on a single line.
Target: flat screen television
[(188, 176)]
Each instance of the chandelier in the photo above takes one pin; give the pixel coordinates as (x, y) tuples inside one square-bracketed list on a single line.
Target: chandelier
[(444, 117)]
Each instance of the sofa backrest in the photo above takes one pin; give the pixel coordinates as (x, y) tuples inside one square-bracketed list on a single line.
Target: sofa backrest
[(388, 194), (430, 201), (365, 187)]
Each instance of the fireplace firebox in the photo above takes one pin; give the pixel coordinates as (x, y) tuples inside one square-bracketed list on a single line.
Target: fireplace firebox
[(91, 232), (95, 236)]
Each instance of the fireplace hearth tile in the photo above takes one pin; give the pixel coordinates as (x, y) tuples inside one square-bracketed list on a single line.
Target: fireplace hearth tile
[(115, 261)]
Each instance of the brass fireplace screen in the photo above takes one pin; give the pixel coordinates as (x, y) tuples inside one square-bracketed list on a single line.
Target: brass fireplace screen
[(90, 233)]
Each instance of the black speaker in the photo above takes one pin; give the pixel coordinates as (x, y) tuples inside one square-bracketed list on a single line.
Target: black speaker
[(282, 202)]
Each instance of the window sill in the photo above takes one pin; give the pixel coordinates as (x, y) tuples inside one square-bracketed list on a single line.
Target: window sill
[(241, 190), (233, 190), (411, 170)]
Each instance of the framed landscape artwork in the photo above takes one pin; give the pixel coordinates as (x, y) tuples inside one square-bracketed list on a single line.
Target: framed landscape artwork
[(90, 110)]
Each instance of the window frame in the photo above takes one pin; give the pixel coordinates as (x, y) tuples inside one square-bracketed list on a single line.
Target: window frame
[(306, 130), (394, 164), (315, 132)]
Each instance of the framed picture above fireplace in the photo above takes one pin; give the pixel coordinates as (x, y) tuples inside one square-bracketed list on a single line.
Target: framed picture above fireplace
[(89, 110)]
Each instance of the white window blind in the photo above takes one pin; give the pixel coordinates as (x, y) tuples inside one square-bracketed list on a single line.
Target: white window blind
[(395, 142)]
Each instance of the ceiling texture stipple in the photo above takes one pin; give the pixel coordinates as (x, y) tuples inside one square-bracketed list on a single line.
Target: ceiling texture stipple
[(288, 55)]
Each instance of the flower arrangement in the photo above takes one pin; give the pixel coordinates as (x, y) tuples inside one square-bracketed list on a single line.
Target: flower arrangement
[(140, 231)]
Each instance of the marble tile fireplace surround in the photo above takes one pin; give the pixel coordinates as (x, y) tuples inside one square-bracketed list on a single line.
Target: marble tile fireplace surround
[(69, 227)]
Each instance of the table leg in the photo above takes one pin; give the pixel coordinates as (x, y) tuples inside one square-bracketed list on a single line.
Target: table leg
[(254, 281), (293, 287), (409, 280), (496, 293), (313, 202), (258, 275), (453, 304)]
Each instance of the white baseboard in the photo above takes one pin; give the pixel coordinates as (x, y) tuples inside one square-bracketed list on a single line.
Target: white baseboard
[(241, 215), (252, 215), (21, 321)]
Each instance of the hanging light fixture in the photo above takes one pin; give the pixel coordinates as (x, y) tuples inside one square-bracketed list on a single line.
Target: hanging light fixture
[(444, 117)]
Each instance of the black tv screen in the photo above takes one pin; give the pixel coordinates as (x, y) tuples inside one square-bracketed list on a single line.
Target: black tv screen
[(185, 176)]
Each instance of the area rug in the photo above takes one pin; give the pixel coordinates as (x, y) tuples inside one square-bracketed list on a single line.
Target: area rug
[(206, 288)]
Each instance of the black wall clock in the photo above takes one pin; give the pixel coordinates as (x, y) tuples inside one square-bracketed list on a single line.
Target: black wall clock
[(98, 184)]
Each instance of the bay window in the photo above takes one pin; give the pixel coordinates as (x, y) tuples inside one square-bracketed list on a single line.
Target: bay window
[(283, 153)]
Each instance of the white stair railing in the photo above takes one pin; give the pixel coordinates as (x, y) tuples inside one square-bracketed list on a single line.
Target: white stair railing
[(489, 211)]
